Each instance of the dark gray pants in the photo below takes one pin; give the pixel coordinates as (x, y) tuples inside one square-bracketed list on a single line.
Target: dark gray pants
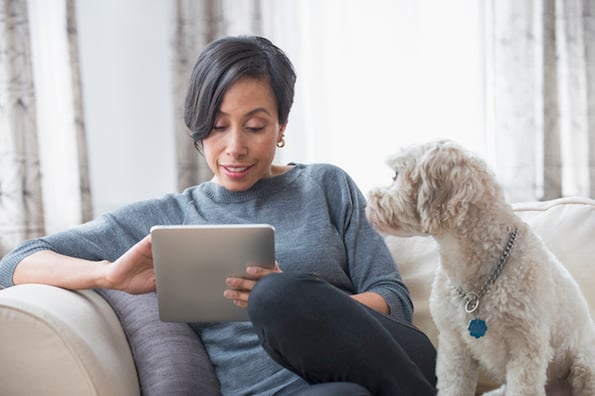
[(333, 389), (326, 337)]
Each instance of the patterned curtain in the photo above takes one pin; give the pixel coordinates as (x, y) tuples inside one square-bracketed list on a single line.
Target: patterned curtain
[(540, 68), (78, 120), (34, 197), (21, 208), (198, 22)]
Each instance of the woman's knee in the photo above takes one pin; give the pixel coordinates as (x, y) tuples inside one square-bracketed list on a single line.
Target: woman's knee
[(272, 291), (279, 294)]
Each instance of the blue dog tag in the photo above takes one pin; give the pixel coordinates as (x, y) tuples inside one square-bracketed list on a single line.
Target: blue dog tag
[(477, 328)]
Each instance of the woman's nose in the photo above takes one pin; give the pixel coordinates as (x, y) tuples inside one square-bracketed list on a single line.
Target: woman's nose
[(236, 144)]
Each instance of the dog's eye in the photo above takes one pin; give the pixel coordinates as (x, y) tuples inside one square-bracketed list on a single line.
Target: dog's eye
[(396, 175)]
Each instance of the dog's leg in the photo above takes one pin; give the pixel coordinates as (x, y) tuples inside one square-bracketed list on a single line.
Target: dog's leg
[(526, 372), (582, 373), (456, 370)]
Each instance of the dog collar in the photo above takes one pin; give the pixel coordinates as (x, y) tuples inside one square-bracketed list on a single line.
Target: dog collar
[(478, 327)]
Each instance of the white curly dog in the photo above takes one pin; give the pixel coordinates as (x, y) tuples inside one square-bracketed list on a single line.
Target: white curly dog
[(500, 299)]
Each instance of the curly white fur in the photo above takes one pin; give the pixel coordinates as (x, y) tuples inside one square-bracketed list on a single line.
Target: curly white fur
[(539, 327)]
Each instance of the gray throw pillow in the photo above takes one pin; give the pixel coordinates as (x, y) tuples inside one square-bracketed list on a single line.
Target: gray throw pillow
[(170, 358)]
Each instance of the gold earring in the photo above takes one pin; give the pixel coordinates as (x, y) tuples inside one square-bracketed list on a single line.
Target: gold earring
[(281, 143)]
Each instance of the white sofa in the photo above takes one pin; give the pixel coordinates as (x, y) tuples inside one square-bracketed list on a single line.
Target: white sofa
[(58, 342)]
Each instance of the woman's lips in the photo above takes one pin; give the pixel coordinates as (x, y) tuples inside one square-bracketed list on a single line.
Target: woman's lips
[(236, 171)]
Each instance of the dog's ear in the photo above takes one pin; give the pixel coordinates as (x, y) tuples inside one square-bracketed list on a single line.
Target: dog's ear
[(450, 180)]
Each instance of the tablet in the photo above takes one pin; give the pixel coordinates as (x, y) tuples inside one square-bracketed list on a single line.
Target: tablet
[(192, 261)]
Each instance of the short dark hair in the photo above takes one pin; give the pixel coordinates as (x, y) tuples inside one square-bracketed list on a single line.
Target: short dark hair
[(222, 63)]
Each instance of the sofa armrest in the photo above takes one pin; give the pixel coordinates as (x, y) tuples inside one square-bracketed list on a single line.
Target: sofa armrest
[(59, 342)]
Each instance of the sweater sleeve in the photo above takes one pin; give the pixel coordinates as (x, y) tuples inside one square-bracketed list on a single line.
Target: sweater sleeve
[(370, 263), (105, 238)]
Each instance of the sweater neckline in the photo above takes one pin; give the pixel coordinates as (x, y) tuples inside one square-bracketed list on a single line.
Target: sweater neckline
[(262, 188)]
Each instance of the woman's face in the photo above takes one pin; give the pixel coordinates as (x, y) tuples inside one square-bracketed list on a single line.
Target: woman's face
[(241, 147)]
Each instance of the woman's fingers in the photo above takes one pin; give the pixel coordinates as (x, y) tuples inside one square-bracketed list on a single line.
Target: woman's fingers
[(239, 298), (258, 272), (239, 288)]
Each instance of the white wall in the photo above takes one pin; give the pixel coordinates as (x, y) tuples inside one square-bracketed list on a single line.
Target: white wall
[(125, 50)]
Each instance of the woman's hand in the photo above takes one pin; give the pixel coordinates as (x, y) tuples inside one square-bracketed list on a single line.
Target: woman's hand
[(373, 300), (240, 288), (133, 272)]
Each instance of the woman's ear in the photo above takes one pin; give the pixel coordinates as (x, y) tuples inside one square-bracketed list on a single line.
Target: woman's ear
[(281, 136)]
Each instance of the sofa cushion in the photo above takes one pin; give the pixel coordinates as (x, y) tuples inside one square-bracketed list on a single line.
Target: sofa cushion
[(169, 357), (567, 226)]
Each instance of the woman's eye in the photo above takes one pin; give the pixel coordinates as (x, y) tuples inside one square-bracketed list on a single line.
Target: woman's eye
[(255, 128), (219, 128)]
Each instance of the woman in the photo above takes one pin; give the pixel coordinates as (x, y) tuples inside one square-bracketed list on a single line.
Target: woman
[(332, 317)]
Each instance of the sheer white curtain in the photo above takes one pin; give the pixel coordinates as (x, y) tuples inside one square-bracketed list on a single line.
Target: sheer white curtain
[(21, 208), (540, 74), (60, 122), (377, 75), (512, 80)]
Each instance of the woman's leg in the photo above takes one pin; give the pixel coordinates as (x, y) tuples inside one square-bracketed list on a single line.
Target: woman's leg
[(333, 389), (323, 335)]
